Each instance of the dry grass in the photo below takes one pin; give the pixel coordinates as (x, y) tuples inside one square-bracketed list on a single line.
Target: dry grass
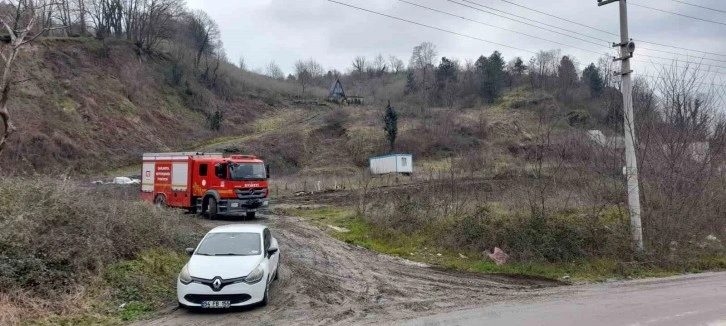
[(56, 236)]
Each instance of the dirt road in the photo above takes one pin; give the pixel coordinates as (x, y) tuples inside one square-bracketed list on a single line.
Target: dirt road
[(324, 281)]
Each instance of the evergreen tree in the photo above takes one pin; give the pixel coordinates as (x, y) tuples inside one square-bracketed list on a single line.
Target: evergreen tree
[(491, 73), (215, 120), (447, 71), (390, 125), (519, 67), (447, 75), (591, 76), (567, 76)]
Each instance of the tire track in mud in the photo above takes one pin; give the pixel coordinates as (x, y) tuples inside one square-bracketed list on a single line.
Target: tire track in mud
[(324, 281)]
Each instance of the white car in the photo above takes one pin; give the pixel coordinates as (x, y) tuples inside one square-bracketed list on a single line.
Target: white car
[(232, 266)]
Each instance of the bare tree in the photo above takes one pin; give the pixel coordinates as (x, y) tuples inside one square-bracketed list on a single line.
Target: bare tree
[(204, 33), (154, 22), (81, 8), (242, 64), (681, 148), (396, 64), (19, 18), (688, 103), (307, 72), (379, 65), (212, 63), (360, 65), (274, 71), (422, 60), (605, 65), (303, 75), (544, 66)]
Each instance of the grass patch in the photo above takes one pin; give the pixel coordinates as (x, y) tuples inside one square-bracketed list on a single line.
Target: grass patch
[(422, 247), (145, 284), (128, 290)]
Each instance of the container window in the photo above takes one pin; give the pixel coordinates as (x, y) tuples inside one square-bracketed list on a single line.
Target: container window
[(203, 170), (403, 161)]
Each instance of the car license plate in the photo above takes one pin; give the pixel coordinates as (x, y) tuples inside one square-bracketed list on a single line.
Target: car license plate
[(235, 204), (215, 304)]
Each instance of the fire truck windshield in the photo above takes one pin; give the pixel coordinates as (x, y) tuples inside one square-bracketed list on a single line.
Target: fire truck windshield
[(247, 171)]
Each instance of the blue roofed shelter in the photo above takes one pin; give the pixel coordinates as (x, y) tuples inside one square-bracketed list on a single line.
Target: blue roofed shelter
[(337, 95)]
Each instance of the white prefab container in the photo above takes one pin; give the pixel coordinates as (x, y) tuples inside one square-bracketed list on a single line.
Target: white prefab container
[(394, 163)]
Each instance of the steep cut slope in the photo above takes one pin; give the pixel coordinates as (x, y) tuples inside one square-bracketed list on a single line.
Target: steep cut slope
[(80, 111)]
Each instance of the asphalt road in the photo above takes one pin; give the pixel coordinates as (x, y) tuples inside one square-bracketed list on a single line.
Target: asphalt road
[(692, 300)]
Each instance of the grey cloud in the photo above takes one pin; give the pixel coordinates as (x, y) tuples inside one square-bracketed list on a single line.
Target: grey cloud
[(287, 30)]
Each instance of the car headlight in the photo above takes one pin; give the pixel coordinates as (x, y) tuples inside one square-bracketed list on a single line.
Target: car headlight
[(184, 276), (255, 276)]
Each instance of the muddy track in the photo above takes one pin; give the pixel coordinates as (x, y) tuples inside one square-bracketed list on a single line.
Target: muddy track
[(324, 281)]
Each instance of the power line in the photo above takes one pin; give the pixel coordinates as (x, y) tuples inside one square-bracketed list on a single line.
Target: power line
[(499, 44), (683, 61), (676, 47), (699, 6), (525, 18), (604, 31), (722, 86), (680, 54), (526, 23), (679, 14), (566, 45), (560, 18), (581, 24), (502, 28), (429, 26), (560, 43)]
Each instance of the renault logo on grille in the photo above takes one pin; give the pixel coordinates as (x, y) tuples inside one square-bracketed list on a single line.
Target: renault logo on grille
[(217, 283), (252, 191)]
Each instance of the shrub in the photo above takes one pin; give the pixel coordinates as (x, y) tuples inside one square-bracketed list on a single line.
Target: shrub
[(578, 118), (55, 235)]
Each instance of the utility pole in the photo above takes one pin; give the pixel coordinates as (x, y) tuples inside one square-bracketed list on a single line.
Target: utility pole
[(627, 47)]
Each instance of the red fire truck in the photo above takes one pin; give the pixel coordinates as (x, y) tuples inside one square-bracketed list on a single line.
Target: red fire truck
[(207, 183)]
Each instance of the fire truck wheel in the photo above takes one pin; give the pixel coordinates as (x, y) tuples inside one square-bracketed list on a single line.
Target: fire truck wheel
[(160, 200), (212, 208), (251, 215)]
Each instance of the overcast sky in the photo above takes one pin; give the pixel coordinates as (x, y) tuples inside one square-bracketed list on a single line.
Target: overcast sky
[(287, 30)]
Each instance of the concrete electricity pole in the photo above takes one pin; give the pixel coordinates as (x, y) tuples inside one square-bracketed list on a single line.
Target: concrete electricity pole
[(627, 47)]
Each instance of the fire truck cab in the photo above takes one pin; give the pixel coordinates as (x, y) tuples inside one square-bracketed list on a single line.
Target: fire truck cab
[(206, 183)]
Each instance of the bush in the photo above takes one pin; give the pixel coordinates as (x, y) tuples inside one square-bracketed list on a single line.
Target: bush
[(56, 235), (578, 118)]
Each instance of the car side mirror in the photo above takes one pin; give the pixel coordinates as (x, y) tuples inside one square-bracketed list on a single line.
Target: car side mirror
[(190, 251), (267, 169), (273, 247)]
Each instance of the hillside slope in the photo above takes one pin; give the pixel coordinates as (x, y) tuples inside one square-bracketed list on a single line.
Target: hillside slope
[(78, 111)]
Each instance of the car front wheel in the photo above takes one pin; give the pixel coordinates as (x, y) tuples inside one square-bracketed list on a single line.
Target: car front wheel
[(267, 295)]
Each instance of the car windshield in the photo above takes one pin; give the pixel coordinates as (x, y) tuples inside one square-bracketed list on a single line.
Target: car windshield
[(247, 171), (230, 244)]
